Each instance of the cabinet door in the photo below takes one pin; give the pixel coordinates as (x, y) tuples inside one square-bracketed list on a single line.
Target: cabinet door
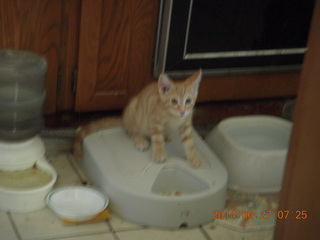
[(34, 25), (115, 51)]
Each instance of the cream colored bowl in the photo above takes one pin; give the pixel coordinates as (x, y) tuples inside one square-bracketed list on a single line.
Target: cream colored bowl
[(29, 194)]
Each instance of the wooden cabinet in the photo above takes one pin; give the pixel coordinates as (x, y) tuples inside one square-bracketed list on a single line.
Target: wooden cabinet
[(115, 51), (100, 53), (34, 25)]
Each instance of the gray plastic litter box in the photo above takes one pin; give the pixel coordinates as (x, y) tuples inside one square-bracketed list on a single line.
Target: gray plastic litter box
[(165, 195)]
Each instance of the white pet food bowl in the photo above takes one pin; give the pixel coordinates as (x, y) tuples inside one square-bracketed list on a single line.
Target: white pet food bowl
[(77, 203), (253, 149), (17, 156), (166, 195), (22, 200)]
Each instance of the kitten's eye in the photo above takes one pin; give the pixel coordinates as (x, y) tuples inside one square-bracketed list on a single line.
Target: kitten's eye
[(174, 101), (188, 100)]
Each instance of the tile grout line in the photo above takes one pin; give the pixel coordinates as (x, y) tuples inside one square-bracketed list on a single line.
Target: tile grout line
[(66, 236), (77, 170), (113, 232), (129, 229), (204, 232), (14, 226)]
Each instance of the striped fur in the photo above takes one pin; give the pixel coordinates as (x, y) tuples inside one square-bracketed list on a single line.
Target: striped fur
[(92, 127), (158, 108), (152, 114)]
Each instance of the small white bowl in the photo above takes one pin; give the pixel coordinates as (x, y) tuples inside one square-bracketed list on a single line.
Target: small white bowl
[(77, 203)]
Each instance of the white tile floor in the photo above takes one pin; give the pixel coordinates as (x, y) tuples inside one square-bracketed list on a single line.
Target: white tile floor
[(44, 225)]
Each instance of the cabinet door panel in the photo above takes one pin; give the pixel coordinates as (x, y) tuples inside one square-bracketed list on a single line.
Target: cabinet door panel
[(103, 54), (34, 25), (116, 48)]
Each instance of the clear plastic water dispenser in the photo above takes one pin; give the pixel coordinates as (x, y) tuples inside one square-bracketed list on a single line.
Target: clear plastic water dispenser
[(22, 94)]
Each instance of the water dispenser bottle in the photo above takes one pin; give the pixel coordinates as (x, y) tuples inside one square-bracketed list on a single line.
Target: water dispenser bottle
[(22, 94)]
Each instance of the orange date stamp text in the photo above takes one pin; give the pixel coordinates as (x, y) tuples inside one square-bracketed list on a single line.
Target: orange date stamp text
[(265, 214)]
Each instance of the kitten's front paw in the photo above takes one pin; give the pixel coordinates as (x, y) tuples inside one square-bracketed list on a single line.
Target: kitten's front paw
[(196, 161), (141, 143), (159, 156)]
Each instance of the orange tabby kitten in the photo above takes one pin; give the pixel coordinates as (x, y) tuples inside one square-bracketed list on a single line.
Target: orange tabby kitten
[(157, 109)]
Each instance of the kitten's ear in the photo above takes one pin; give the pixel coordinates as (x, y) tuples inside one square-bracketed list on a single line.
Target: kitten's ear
[(195, 79), (164, 83)]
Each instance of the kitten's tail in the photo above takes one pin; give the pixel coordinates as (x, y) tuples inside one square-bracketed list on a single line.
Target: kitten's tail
[(90, 128)]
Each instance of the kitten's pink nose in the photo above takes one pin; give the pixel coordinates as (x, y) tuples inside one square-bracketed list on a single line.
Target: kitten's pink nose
[(182, 112)]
